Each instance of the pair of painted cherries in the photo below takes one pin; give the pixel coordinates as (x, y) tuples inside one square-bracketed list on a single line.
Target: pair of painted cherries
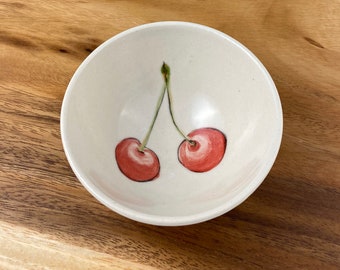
[(200, 151)]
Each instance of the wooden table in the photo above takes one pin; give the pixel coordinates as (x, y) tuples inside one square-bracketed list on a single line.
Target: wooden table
[(49, 221)]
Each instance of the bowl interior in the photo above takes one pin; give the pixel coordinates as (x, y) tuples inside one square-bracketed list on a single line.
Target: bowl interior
[(216, 82)]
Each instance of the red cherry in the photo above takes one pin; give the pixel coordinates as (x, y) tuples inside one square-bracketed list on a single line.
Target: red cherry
[(204, 151), (137, 165)]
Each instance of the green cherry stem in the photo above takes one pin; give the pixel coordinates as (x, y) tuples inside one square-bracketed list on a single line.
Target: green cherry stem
[(166, 75), (158, 106)]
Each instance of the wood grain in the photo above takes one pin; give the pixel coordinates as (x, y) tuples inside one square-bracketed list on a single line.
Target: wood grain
[(49, 221)]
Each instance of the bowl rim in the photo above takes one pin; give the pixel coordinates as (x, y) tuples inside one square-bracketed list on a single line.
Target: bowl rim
[(173, 220)]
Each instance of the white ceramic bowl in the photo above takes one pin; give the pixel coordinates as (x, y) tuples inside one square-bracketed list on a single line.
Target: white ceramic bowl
[(215, 81)]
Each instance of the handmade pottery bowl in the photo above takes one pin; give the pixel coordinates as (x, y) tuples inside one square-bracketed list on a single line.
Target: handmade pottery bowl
[(216, 85)]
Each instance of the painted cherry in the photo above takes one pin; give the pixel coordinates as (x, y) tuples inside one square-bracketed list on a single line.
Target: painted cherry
[(205, 150), (134, 159), (202, 149), (137, 165)]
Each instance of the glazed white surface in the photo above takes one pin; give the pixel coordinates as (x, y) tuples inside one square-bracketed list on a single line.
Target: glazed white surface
[(216, 82)]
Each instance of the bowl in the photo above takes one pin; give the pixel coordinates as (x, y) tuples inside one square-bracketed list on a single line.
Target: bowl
[(171, 123)]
